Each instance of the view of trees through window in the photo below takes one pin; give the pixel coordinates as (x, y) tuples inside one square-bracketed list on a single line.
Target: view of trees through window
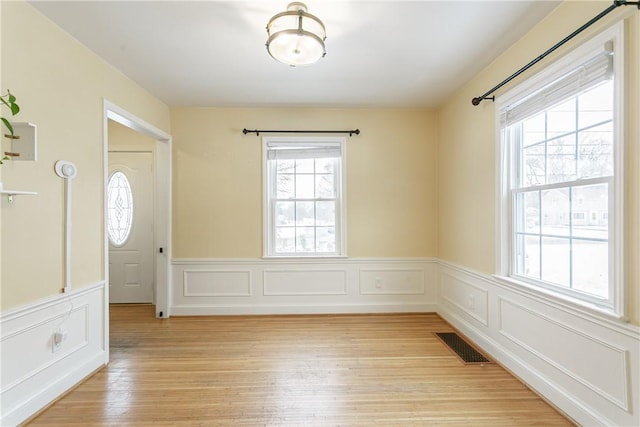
[(563, 190)]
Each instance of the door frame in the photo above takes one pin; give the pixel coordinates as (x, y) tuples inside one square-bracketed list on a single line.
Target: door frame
[(163, 197)]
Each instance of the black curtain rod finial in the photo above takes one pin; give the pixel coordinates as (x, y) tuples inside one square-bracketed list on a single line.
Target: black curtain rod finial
[(477, 100), (626, 3)]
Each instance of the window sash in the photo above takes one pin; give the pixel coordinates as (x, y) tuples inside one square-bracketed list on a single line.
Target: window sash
[(517, 231), (295, 201)]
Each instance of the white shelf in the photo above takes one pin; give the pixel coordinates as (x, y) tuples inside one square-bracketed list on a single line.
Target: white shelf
[(11, 193), (17, 192)]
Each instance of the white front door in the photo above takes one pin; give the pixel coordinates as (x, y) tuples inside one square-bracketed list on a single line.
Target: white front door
[(130, 227)]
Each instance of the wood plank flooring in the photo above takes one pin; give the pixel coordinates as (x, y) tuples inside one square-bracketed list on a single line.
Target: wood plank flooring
[(324, 370)]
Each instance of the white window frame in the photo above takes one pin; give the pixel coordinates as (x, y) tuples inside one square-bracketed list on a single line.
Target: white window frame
[(269, 198), (505, 176)]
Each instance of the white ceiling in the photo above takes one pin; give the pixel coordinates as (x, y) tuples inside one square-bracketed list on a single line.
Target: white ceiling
[(379, 53)]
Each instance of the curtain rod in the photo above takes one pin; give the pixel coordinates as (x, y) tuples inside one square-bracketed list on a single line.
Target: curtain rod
[(258, 131), (477, 100)]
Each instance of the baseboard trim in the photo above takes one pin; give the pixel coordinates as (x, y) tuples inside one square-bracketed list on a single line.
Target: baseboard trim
[(221, 310), (26, 412)]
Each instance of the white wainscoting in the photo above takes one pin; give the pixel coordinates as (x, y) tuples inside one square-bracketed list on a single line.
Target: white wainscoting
[(586, 364), (34, 373), (275, 286)]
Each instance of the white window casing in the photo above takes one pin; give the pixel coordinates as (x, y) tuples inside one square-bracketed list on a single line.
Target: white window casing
[(590, 64), (304, 188)]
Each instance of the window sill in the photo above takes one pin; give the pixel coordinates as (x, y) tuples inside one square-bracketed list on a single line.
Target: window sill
[(559, 298), (303, 257)]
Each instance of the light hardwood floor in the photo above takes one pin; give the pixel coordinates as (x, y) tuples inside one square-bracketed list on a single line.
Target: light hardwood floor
[(324, 370)]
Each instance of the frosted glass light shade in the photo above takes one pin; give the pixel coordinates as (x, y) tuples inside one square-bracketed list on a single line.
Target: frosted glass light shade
[(296, 37)]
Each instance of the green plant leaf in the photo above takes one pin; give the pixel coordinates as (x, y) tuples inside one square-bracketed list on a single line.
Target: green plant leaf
[(7, 123), (15, 108), (12, 98)]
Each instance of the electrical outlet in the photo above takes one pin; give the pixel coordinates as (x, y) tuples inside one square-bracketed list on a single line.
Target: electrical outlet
[(471, 302), (59, 336), (378, 282)]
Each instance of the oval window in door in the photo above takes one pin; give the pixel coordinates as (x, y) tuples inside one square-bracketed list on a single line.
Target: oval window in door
[(119, 208)]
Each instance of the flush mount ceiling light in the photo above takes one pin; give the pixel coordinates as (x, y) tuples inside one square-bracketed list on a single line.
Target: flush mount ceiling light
[(295, 36)]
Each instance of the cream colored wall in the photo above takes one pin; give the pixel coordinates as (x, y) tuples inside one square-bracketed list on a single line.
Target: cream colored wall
[(123, 138), (467, 145), (60, 86), (217, 172)]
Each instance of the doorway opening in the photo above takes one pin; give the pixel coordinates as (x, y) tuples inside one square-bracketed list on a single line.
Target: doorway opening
[(154, 145), (131, 216)]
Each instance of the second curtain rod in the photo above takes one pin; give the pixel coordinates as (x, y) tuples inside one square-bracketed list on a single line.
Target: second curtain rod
[(258, 131)]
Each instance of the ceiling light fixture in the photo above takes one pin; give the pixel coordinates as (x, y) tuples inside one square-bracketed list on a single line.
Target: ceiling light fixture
[(295, 36)]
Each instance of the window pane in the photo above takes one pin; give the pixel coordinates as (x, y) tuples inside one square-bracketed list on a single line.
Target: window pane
[(556, 261), (325, 165), (534, 165), (596, 105), (285, 166), (590, 267), (324, 187), (561, 159), (305, 187), (595, 151), (284, 186), (304, 166), (533, 129), (305, 239), (285, 213), (325, 239), (325, 213), (561, 119), (305, 214), (592, 203), (555, 212), (528, 256), (285, 239), (528, 211)]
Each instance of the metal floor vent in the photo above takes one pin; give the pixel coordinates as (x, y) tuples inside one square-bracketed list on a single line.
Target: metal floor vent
[(461, 348)]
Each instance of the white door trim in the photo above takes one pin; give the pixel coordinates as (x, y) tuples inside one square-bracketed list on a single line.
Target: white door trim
[(162, 200)]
